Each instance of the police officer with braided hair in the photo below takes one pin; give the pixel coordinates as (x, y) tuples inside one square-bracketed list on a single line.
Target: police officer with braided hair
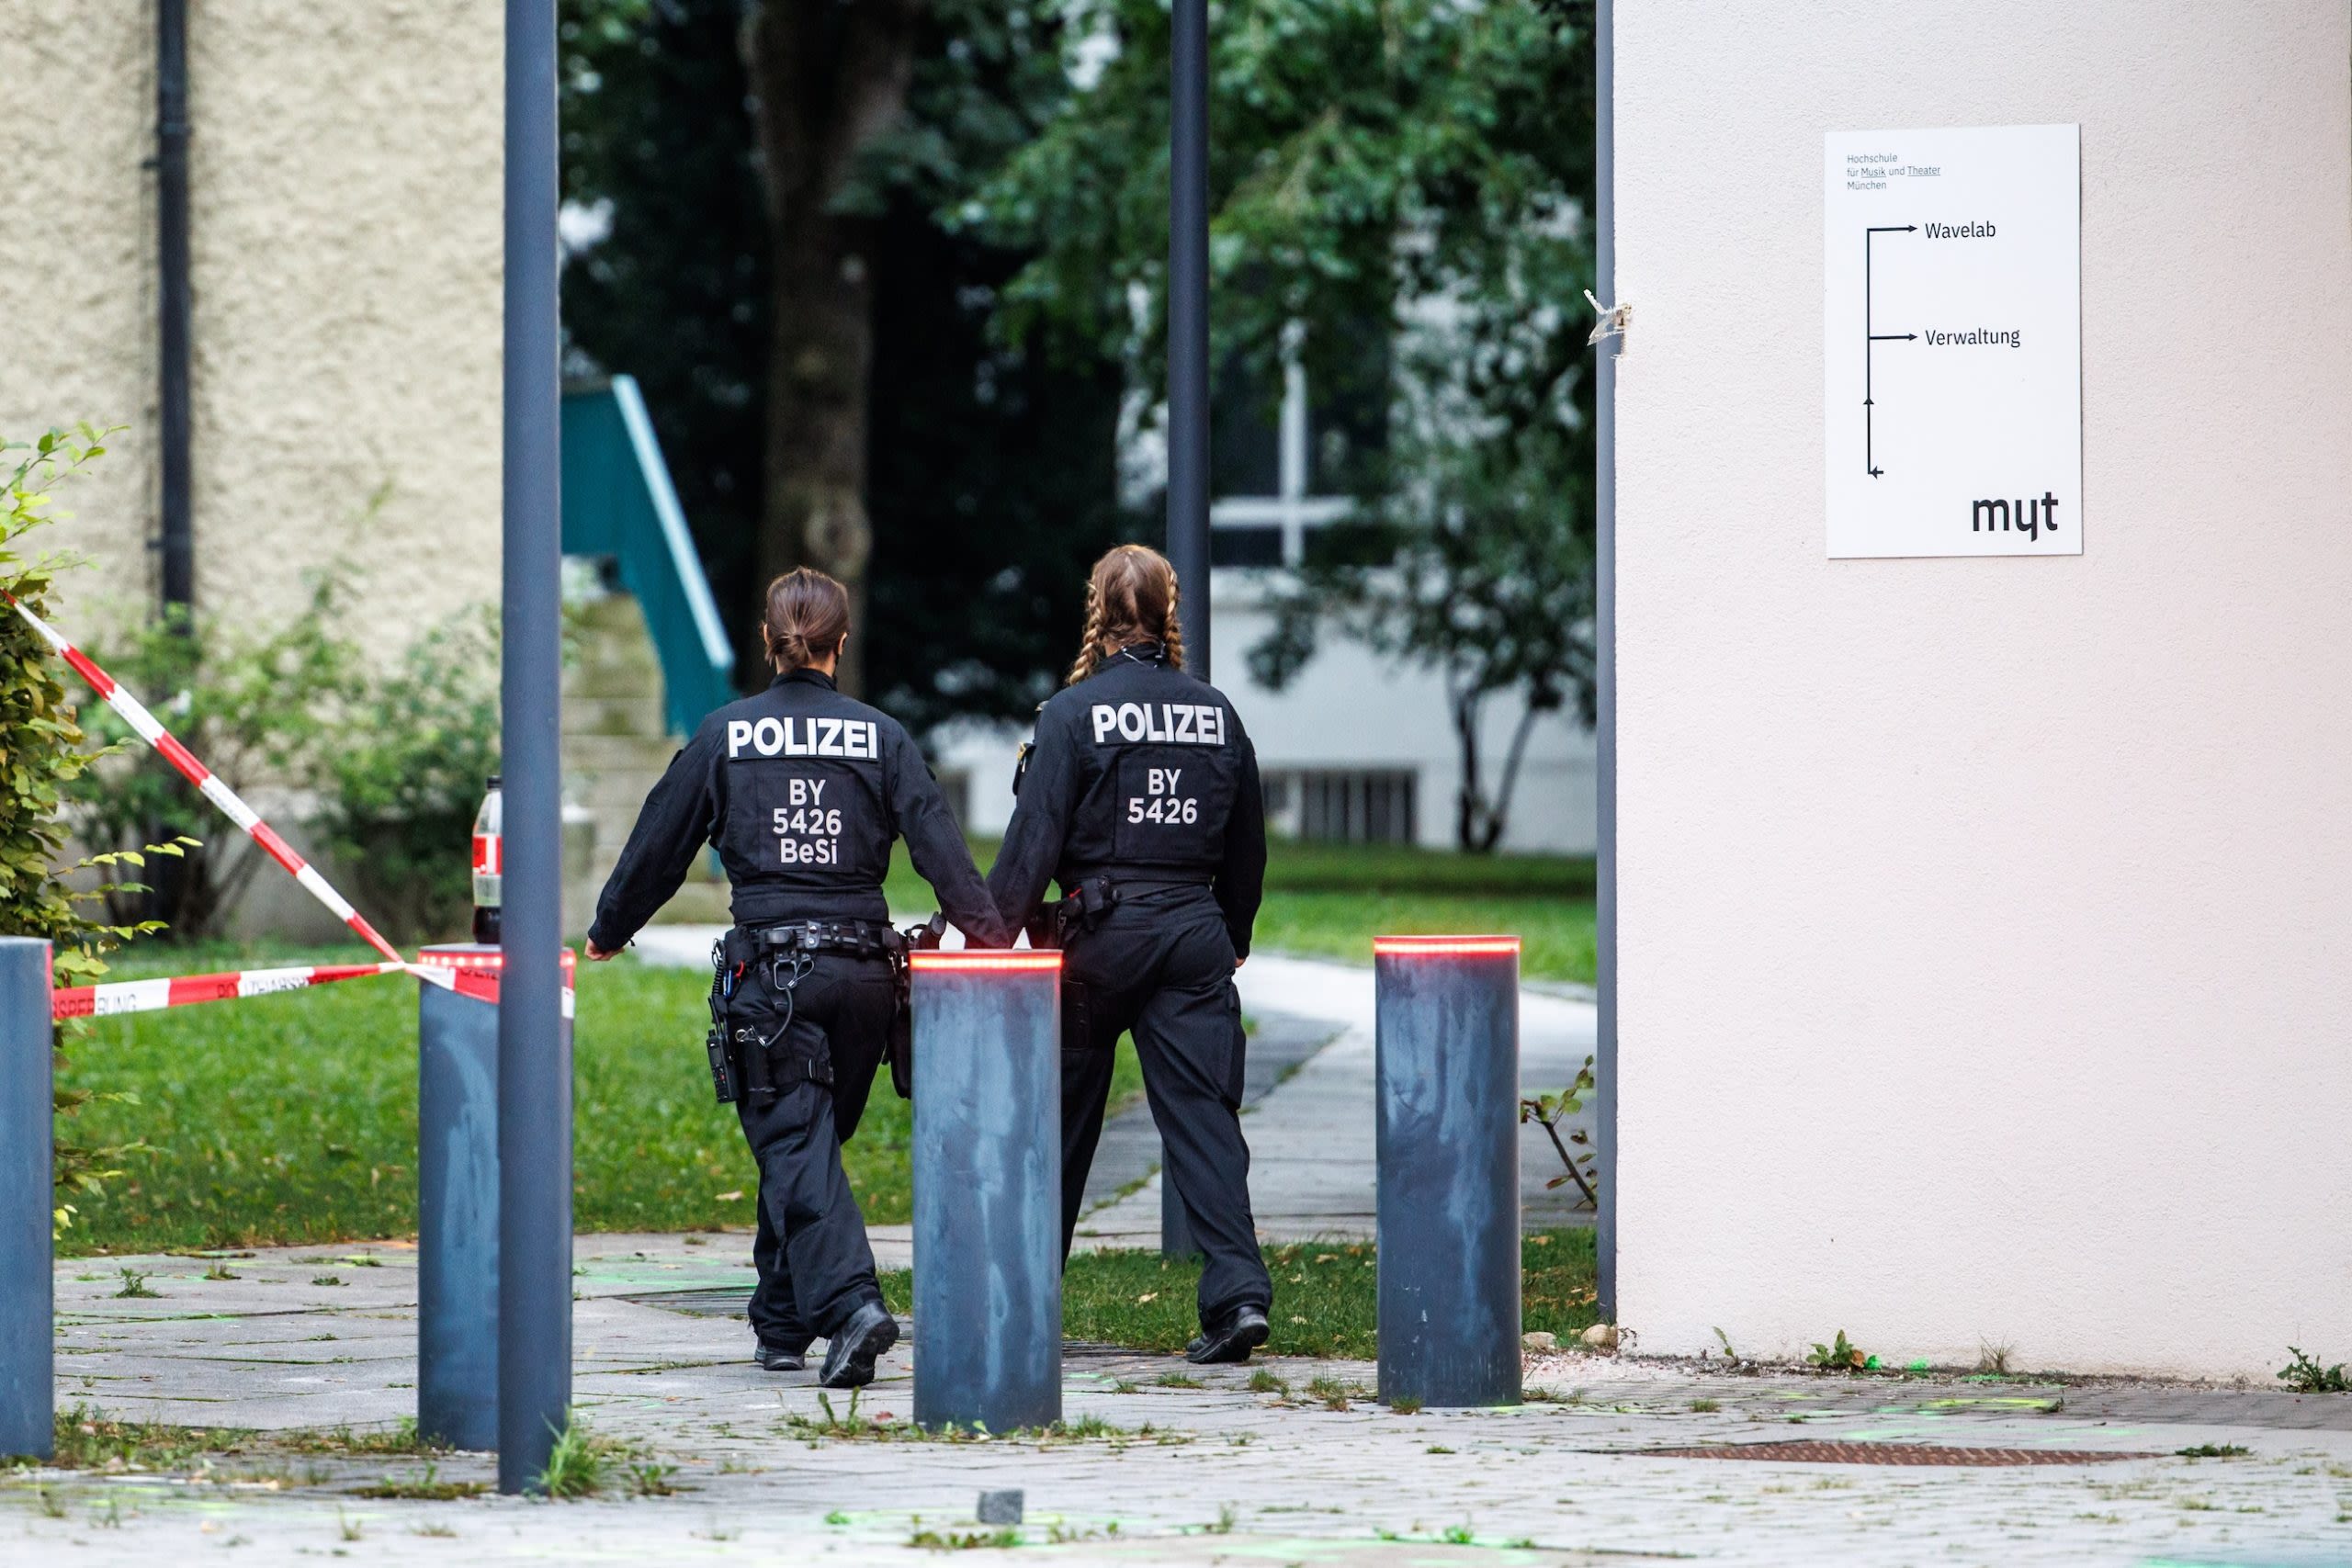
[(1140, 797), (801, 790)]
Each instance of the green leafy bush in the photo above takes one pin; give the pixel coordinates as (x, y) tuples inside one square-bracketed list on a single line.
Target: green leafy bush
[(47, 754), (406, 776), (394, 759), (256, 709)]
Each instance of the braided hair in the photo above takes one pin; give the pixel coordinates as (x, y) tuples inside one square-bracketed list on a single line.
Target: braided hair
[(1131, 597)]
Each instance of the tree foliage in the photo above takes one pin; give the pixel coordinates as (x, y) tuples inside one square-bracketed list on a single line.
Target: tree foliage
[(989, 481), (1417, 168)]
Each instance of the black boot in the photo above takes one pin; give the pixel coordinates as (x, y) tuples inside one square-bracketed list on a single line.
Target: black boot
[(1242, 1333), (776, 1358), (855, 1346)]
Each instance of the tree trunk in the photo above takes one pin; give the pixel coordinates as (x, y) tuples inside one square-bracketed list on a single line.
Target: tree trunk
[(827, 77)]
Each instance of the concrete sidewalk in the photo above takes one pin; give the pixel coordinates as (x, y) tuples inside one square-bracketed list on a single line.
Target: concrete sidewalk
[(1311, 1170), (1197, 1469)]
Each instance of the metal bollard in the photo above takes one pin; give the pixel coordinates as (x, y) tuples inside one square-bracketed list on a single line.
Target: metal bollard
[(1447, 1041), (987, 1183), (457, 1195), (456, 1207), (27, 1197)]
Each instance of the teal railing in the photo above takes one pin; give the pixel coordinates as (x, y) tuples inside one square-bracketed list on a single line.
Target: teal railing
[(618, 501)]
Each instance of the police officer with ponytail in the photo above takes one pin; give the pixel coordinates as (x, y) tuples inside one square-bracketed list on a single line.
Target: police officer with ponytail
[(801, 790), (1140, 797)]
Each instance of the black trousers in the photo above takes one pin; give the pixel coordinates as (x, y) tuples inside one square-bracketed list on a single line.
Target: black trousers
[(815, 1264), (1161, 964)]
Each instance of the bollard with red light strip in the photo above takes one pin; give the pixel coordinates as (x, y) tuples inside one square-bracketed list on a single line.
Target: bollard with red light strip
[(1447, 1043), (988, 1188), (457, 1190)]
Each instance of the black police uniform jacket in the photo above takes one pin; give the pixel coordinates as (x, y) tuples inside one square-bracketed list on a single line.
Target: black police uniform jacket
[(1144, 773), (801, 790)]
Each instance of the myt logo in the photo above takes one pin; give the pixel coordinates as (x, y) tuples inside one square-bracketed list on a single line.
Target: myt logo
[(2032, 518)]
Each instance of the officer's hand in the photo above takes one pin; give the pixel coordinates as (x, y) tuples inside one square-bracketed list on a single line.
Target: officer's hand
[(1239, 962), (597, 954)]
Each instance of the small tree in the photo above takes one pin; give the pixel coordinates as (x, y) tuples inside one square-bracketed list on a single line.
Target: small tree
[(1411, 171), (1496, 592), (47, 753)]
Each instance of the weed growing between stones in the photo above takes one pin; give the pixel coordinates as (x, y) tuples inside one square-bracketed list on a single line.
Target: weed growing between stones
[(852, 1425), (581, 1463), (134, 1285), (961, 1541), (2305, 1375), (427, 1487)]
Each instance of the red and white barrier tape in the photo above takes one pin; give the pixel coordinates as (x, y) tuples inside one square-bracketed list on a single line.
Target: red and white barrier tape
[(470, 976), (476, 975), (467, 976), (134, 713), (185, 991)]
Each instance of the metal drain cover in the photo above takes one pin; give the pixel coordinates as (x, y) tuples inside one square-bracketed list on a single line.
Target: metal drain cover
[(1887, 1453)]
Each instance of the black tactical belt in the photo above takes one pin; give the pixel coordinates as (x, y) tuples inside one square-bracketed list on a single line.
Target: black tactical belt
[(864, 938), (1126, 882)]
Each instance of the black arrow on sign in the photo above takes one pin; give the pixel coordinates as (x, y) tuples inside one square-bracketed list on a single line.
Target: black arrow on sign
[(1869, 337)]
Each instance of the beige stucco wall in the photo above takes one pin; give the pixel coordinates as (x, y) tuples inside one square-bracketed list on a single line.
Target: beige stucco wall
[(345, 193), (1983, 923)]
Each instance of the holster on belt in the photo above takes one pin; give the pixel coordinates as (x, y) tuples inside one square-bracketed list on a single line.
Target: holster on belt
[(754, 1053), (725, 1079), (1083, 908), (901, 1050)]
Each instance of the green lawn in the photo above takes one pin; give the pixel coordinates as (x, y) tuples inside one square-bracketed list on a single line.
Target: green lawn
[(1325, 1303), (293, 1118), (1330, 900)]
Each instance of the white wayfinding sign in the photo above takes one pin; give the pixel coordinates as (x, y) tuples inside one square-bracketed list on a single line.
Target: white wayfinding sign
[(1951, 323)]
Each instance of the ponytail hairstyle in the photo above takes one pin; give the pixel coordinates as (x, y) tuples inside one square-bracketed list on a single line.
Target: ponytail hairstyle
[(1130, 598), (807, 617)]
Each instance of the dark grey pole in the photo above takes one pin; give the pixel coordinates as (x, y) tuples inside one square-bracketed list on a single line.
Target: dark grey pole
[(27, 1309), (175, 303), (534, 1062), (1187, 394), (988, 1182), (1446, 1049), (456, 1209), (1604, 636)]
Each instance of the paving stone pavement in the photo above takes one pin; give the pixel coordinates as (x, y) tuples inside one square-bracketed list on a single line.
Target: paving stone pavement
[(1205, 1469), (1217, 1473), (1311, 1139)]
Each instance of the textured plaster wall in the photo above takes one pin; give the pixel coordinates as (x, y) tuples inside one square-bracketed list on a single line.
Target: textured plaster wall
[(1986, 925), (346, 225)]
